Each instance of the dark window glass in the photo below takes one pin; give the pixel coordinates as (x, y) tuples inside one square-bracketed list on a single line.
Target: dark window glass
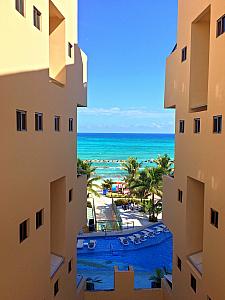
[(38, 121), (56, 287), (70, 195), (20, 6), (181, 126), (39, 218), (214, 218), (23, 231), (221, 26), (37, 18), (184, 54), (180, 196), (197, 125), (179, 263), (57, 123), (70, 124), (70, 266), (70, 47), (217, 124), (193, 283), (21, 120)]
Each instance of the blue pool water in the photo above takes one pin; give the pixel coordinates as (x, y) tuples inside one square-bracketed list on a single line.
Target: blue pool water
[(99, 263)]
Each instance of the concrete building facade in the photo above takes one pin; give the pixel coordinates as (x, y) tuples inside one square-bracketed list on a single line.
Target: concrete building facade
[(194, 206), (43, 79)]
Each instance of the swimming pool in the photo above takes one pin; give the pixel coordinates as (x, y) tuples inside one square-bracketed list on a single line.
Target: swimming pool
[(99, 263)]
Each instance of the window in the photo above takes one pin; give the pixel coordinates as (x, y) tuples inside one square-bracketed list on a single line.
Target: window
[(57, 123), (197, 123), (217, 124), (70, 47), (70, 124), (179, 263), (38, 121), (221, 26), (181, 126), (208, 298), (214, 218), (21, 120), (193, 283), (70, 195), (37, 18), (23, 231), (180, 196), (56, 287), (20, 6), (70, 266), (39, 218), (184, 54)]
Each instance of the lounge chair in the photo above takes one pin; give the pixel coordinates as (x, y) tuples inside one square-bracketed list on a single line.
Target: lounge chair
[(163, 226), (92, 244), (158, 230), (80, 244), (141, 237), (147, 233), (134, 240), (124, 241), (149, 230)]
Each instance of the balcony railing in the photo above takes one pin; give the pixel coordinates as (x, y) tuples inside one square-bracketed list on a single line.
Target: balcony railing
[(56, 262), (196, 261)]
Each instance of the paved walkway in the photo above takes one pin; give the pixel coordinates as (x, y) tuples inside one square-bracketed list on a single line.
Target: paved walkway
[(103, 209)]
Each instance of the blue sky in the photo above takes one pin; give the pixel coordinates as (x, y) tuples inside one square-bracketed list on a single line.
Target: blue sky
[(127, 42)]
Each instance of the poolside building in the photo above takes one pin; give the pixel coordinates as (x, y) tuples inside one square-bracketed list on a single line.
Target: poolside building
[(43, 202), (193, 200)]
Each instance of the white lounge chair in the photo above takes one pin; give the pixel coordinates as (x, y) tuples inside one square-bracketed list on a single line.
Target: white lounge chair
[(92, 244), (124, 241), (163, 226), (134, 240), (149, 230), (80, 244), (158, 230), (147, 233), (141, 237)]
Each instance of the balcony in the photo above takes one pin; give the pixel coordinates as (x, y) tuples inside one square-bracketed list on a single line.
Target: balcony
[(170, 203), (172, 83), (56, 262), (80, 81), (81, 202), (196, 261)]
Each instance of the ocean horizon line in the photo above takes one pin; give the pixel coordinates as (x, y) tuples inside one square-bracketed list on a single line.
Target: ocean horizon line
[(158, 133)]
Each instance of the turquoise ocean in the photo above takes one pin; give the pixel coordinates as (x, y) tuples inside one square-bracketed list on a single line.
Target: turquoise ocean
[(120, 146)]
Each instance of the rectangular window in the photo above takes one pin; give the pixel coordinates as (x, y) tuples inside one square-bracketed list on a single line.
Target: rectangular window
[(56, 287), (184, 54), (39, 218), (20, 6), (37, 18), (197, 125), (181, 126), (214, 218), (221, 26), (38, 121), (193, 283), (70, 195), (70, 124), (217, 124), (179, 263), (21, 120), (70, 266), (180, 196), (70, 47), (23, 231), (57, 123)]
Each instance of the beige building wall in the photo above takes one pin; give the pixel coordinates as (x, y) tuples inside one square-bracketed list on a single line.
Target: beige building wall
[(195, 87), (38, 168)]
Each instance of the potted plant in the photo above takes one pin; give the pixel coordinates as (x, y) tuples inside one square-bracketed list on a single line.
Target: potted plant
[(90, 283), (157, 277)]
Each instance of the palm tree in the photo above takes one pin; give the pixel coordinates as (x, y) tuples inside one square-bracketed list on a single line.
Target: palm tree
[(131, 166), (165, 163), (107, 185), (157, 277), (86, 168)]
